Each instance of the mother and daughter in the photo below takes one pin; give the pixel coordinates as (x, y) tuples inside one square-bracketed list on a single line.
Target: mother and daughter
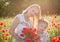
[(30, 18)]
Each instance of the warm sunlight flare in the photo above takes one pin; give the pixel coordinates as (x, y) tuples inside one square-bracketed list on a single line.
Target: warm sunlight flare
[(29, 20)]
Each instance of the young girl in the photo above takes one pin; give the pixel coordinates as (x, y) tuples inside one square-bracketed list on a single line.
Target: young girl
[(42, 26), (23, 20)]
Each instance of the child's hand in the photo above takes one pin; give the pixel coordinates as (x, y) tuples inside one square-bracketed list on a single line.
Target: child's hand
[(25, 23)]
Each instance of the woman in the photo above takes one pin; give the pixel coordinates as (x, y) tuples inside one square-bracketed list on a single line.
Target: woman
[(23, 20)]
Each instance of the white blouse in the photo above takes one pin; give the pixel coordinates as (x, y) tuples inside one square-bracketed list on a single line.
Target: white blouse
[(22, 24)]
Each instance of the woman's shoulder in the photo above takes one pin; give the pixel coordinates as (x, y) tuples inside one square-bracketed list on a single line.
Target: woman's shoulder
[(19, 15)]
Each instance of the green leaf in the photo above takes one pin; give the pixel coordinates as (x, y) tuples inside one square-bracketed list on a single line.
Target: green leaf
[(58, 33), (10, 39)]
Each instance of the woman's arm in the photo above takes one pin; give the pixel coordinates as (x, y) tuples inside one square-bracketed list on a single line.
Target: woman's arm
[(13, 27)]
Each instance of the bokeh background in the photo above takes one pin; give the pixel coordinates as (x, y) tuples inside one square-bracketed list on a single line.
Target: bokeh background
[(50, 10), (13, 7)]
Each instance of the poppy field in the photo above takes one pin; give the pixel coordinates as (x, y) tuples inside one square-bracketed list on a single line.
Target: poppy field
[(53, 28), (5, 24)]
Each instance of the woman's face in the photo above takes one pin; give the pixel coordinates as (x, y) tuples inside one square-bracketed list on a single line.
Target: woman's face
[(33, 11), (42, 26)]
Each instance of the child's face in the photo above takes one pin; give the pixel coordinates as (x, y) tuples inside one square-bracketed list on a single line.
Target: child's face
[(42, 26)]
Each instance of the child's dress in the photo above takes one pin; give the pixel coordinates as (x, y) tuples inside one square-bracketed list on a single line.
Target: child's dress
[(44, 37)]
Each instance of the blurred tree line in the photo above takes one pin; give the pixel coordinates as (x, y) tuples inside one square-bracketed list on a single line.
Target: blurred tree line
[(13, 7)]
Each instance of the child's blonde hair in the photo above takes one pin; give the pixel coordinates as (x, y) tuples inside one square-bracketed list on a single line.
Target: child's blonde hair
[(43, 20)]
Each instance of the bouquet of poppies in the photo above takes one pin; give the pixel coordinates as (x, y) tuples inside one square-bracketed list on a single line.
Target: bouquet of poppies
[(30, 34), (57, 39)]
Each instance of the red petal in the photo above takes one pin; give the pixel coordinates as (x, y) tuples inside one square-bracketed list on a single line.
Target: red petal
[(22, 35), (54, 40), (27, 40)]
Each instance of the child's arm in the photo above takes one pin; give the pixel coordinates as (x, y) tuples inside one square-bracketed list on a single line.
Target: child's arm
[(48, 37), (45, 37)]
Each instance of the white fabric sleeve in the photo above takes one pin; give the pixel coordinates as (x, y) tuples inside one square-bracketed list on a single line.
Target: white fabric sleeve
[(20, 17), (19, 27), (19, 31), (17, 16), (45, 37)]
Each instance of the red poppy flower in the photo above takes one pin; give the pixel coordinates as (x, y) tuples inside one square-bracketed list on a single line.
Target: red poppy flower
[(7, 34), (34, 30), (1, 24), (58, 37), (55, 16), (30, 33), (36, 37), (27, 40), (22, 35), (33, 34), (57, 40), (30, 29), (54, 40), (24, 30), (54, 25), (3, 31)]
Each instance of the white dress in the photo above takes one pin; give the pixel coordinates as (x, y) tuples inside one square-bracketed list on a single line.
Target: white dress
[(21, 25), (44, 37)]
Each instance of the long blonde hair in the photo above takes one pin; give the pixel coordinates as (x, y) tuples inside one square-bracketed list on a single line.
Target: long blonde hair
[(33, 5)]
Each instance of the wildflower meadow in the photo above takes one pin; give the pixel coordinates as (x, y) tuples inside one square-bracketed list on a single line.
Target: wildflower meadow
[(53, 28)]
